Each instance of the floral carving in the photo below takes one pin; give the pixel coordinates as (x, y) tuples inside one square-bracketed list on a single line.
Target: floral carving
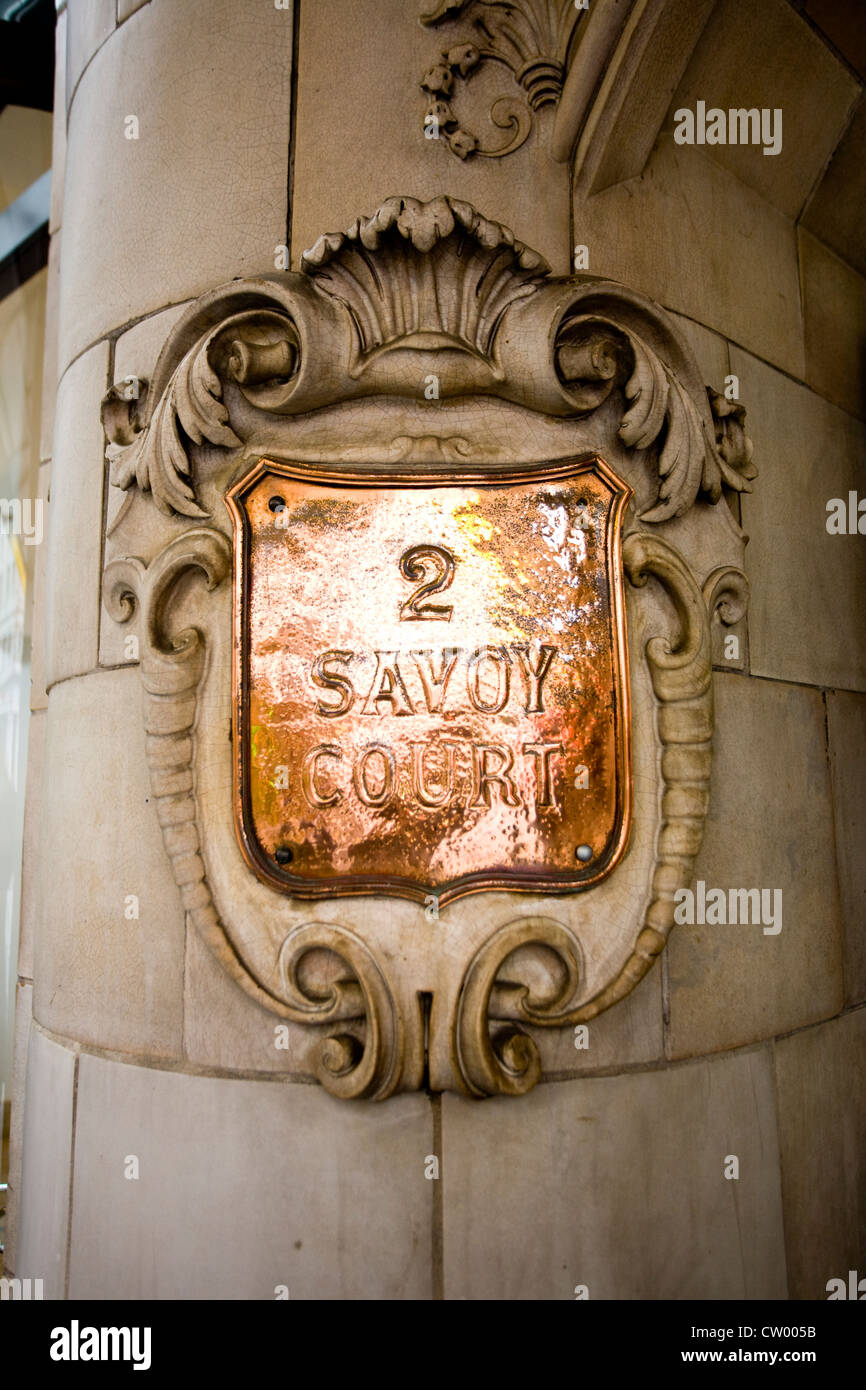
[(529, 37)]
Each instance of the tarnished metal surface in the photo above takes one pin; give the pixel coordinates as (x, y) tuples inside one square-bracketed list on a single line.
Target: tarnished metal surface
[(431, 680)]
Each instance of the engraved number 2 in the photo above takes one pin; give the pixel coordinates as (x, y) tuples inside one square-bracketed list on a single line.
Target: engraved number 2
[(419, 562)]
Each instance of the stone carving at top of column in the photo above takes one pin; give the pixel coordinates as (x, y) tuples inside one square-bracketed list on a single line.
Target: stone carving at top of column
[(426, 353), (529, 37), (607, 70)]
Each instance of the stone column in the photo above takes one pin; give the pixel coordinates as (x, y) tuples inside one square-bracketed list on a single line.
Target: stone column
[(171, 1146)]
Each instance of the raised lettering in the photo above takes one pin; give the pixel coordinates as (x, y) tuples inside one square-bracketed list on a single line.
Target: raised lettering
[(435, 685), (429, 796), (500, 657), (484, 778), (309, 771), (534, 674), (361, 781), (416, 563), (332, 680), (542, 753), (388, 685)]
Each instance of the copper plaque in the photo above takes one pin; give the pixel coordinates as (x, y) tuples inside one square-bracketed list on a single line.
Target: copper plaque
[(431, 686)]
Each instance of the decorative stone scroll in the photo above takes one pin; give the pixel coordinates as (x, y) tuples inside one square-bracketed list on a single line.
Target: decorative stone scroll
[(528, 37), (425, 349)]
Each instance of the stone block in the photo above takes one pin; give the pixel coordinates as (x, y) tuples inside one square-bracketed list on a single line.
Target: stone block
[(74, 556), (807, 619), (629, 1034), (770, 826), (245, 1186), (367, 129), (38, 693), (31, 847), (834, 311), (821, 1086), (90, 24), (23, 1016), (49, 361), (617, 1184), (200, 196), (740, 276), (58, 130), (46, 1160), (105, 976), (846, 715), (764, 56), (837, 208), (125, 8), (224, 1029)]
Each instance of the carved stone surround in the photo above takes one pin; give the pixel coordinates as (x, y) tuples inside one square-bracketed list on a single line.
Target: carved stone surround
[(328, 366)]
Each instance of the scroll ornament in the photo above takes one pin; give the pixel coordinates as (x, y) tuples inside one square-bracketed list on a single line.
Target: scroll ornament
[(530, 38)]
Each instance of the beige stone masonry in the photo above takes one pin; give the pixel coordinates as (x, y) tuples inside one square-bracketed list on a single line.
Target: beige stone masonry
[(74, 552), (834, 309), (32, 844), (807, 619), (846, 715), (23, 1015), (49, 365), (90, 23), (821, 1087), (739, 274), (763, 56), (43, 1201), (298, 1190), (200, 196), (58, 129), (624, 1192), (361, 138), (38, 693), (102, 976), (125, 8), (770, 825), (835, 212)]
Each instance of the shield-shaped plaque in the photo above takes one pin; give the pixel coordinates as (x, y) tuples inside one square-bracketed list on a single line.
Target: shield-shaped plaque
[(431, 679)]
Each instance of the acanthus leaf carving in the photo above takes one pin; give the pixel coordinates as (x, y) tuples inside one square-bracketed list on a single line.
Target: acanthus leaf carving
[(661, 410), (422, 278), (733, 445)]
